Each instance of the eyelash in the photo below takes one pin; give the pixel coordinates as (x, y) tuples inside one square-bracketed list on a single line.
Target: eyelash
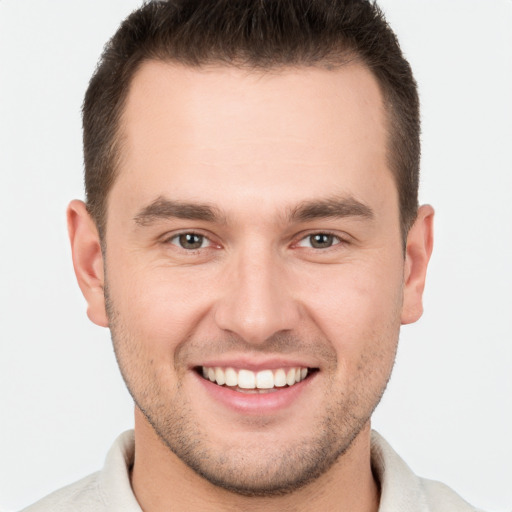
[(185, 234), (336, 240)]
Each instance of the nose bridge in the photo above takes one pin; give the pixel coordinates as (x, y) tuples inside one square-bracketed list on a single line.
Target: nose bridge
[(257, 300)]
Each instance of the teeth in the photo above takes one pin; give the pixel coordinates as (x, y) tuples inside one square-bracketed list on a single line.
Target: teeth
[(265, 379), (220, 377), (290, 377), (247, 379), (231, 377), (280, 378)]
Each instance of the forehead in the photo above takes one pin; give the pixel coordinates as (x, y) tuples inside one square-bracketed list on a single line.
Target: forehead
[(188, 131)]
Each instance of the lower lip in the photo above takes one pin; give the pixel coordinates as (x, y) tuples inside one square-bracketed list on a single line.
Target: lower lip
[(256, 403)]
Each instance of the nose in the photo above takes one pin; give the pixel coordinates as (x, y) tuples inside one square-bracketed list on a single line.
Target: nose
[(257, 300)]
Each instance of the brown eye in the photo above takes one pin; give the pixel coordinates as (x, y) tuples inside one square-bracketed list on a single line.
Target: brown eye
[(190, 241)]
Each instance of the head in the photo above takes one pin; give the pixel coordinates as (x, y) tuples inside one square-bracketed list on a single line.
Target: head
[(251, 235), (251, 35)]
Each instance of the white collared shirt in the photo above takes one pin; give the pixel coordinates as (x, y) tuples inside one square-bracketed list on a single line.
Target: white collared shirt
[(110, 489)]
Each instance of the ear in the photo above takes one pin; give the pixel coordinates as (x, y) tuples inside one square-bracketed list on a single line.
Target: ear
[(420, 241), (87, 260)]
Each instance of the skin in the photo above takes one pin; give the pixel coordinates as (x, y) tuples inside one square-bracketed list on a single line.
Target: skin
[(264, 152)]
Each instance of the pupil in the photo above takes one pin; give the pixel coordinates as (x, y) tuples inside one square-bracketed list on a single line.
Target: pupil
[(321, 240), (191, 241)]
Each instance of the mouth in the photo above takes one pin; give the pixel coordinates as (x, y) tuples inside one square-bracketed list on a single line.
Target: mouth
[(262, 381)]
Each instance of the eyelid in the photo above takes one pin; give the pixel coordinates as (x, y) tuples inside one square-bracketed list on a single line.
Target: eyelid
[(204, 240), (168, 238), (343, 239)]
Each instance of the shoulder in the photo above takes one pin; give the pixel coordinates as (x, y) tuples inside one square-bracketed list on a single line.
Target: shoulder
[(402, 490), (107, 490), (81, 496), (439, 497)]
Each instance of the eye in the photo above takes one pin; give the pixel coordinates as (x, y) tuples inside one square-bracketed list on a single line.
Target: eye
[(190, 241), (319, 241)]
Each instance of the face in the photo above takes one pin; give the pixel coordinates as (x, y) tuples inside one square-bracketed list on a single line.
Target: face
[(254, 267)]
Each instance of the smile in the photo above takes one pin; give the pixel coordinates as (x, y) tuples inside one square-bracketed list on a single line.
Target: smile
[(248, 381)]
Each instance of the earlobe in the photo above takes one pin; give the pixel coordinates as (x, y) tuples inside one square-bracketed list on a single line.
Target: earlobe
[(87, 260), (420, 242)]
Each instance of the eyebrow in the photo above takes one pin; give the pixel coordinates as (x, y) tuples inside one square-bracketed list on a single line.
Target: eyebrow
[(162, 208), (335, 208)]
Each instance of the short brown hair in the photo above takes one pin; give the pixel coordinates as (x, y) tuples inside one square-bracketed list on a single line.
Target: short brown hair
[(257, 34)]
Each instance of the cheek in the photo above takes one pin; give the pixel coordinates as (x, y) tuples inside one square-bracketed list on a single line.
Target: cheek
[(357, 305), (362, 322), (159, 305)]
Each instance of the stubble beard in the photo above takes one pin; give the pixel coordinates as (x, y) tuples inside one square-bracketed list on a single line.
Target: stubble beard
[(256, 469)]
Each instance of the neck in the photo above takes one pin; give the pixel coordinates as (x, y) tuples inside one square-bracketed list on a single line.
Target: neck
[(162, 482)]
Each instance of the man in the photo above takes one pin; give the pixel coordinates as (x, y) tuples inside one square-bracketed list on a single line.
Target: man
[(252, 239)]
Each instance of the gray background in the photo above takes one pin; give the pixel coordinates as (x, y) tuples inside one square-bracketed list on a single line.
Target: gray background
[(448, 409)]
